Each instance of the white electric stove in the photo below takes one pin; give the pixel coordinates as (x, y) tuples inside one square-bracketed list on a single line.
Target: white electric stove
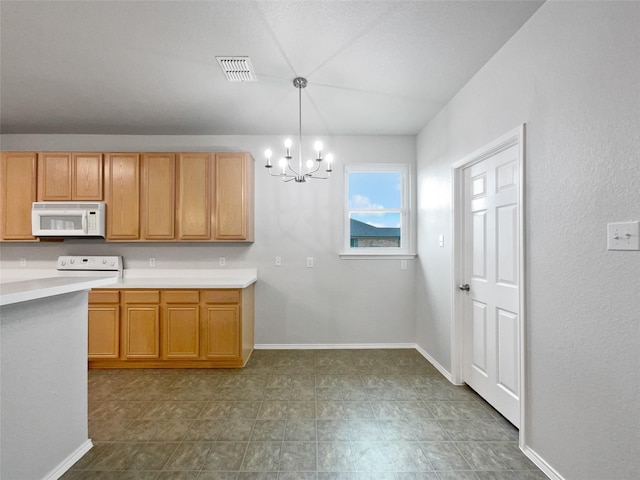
[(92, 265)]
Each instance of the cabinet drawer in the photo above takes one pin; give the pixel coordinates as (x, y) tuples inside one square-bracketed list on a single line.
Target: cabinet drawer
[(221, 296), (180, 296), (141, 296), (104, 296)]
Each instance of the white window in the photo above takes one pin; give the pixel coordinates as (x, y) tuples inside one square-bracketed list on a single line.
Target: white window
[(377, 210)]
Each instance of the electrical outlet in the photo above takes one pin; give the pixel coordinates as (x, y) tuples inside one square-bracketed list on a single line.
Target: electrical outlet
[(223, 261), (152, 262), (403, 264), (309, 262), (23, 262), (278, 261)]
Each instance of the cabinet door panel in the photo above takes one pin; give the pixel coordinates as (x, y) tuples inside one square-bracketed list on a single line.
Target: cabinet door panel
[(158, 196), (17, 193), (104, 331), (222, 332), (54, 176), (142, 331), (87, 176), (194, 196), (181, 332), (230, 194), (122, 181)]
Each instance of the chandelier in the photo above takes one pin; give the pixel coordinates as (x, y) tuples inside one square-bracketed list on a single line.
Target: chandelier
[(288, 171)]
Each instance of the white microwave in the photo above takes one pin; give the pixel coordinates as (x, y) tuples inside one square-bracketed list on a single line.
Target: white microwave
[(68, 219)]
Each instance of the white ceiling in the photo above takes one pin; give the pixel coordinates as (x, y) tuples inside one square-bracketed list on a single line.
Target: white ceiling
[(149, 67)]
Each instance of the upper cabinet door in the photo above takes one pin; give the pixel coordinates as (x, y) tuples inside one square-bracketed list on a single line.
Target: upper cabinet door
[(194, 196), (122, 195), (17, 193), (86, 181), (233, 194), (158, 196), (54, 176), (66, 176)]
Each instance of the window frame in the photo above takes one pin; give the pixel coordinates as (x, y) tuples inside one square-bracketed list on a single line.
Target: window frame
[(404, 250)]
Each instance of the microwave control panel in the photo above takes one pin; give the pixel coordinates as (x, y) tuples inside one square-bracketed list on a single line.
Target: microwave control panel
[(92, 222)]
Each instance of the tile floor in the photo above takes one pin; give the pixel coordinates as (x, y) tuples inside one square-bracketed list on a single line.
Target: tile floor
[(297, 415)]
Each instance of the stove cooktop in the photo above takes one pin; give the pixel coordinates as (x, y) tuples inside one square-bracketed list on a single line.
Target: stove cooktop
[(90, 263)]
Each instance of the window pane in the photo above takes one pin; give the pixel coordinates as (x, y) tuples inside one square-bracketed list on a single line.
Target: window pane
[(375, 190), (374, 230)]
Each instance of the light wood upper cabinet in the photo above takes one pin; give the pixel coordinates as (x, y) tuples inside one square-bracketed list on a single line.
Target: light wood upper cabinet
[(194, 196), (17, 193), (122, 195), (86, 180), (186, 197), (54, 176), (66, 176), (233, 191), (158, 196)]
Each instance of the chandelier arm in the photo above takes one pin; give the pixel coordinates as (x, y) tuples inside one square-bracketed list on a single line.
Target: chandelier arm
[(293, 169), (314, 170), (318, 178), (274, 174)]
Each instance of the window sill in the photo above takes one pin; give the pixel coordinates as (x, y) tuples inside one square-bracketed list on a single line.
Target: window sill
[(377, 256)]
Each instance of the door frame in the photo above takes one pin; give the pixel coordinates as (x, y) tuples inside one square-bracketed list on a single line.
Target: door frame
[(509, 139)]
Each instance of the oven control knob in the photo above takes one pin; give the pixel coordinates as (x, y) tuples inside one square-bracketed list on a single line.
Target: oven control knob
[(63, 263), (72, 261), (104, 261), (113, 263)]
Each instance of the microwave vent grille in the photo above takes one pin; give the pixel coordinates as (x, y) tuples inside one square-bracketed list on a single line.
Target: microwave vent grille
[(66, 205)]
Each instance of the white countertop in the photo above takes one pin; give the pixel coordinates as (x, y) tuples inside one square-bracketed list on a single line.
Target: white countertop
[(169, 278), (26, 290), (138, 278)]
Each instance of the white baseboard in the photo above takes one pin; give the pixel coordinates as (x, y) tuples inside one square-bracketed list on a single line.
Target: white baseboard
[(548, 470), (68, 462), (445, 373), (330, 346)]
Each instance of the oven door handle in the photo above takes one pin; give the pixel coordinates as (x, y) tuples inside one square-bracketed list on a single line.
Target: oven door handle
[(84, 223)]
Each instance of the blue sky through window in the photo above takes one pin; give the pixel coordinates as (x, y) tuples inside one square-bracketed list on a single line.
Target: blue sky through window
[(373, 191)]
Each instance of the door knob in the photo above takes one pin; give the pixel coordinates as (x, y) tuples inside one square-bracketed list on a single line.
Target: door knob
[(464, 287)]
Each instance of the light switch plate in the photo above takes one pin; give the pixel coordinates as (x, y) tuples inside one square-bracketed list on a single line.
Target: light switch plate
[(623, 236)]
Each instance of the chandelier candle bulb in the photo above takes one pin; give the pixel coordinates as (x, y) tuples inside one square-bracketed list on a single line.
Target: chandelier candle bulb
[(329, 162), (318, 148), (268, 153)]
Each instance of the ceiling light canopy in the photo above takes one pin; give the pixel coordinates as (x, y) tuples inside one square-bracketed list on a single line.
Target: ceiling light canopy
[(290, 172)]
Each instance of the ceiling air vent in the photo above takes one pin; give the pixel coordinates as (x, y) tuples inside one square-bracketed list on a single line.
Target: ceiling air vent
[(237, 69)]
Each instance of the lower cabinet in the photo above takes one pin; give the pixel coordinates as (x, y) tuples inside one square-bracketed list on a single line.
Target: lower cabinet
[(170, 328), (181, 324), (104, 324), (141, 309)]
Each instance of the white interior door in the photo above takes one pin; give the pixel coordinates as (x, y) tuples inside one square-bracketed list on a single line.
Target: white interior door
[(491, 304)]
